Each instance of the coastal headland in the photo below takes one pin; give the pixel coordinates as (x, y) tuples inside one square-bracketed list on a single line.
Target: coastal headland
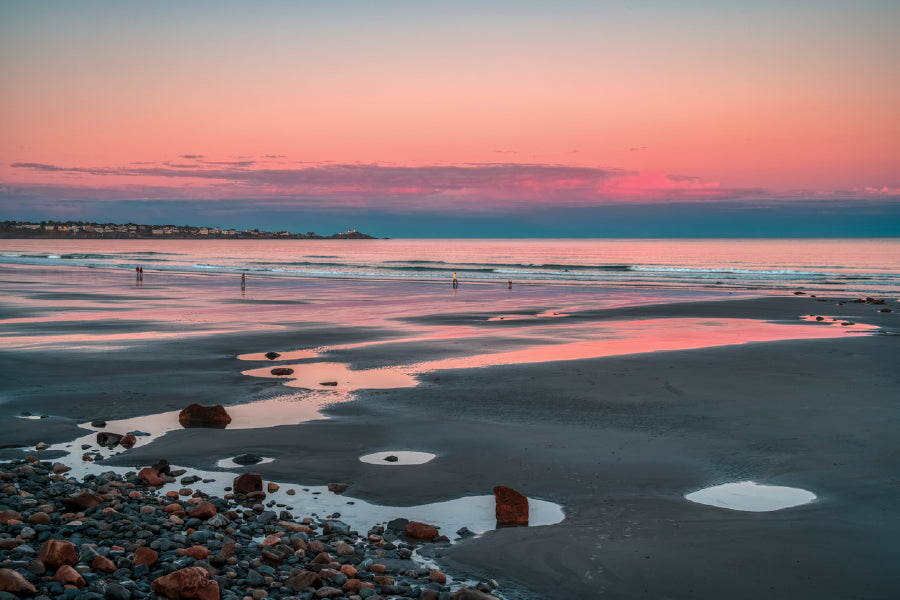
[(616, 439), (68, 230)]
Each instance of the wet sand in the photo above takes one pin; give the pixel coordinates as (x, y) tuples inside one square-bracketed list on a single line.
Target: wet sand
[(617, 440)]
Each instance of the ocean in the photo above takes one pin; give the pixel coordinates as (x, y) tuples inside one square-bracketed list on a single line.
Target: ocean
[(865, 267)]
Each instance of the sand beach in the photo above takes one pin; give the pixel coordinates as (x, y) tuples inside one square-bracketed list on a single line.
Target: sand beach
[(606, 404)]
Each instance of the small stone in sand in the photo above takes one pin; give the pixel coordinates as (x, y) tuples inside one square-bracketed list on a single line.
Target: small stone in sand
[(328, 383), (272, 355)]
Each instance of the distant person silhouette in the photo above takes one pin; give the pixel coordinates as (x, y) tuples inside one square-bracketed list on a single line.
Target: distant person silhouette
[(455, 281), (243, 280)]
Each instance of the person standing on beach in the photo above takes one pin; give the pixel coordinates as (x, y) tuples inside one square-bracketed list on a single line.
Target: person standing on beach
[(455, 282)]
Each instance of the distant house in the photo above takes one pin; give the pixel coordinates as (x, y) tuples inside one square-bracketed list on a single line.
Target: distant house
[(203, 231), (157, 232)]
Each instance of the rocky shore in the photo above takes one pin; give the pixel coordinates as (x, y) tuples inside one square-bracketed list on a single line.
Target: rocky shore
[(113, 537)]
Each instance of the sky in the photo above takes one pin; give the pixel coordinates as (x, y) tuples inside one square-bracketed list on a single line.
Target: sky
[(430, 118)]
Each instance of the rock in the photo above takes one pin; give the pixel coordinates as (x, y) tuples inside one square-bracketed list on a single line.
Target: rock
[(398, 524), (66, 574), (330, 383), (391, 458), (81, 500), (329, 592), (190, 582), (145, 556), (55, 553), (472, 594), (272, 355), (247, 459), (10, 515), (247, 483), (421, 531), (162, 467), (303, 580), (437, 576), (105, 438), (98, 423), (511, 506), (195, 552), (204, 416), (13, 581), (41, 446), (128, 440), (885, 310), (282, 371), (39, 518), (272, 487), (151, 476), (338, 488), (101, 563), (203, 510)]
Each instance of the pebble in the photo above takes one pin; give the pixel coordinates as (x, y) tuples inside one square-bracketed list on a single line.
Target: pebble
[(133, 538)]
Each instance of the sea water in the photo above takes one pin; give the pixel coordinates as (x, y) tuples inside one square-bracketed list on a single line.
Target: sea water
[(864, 267)]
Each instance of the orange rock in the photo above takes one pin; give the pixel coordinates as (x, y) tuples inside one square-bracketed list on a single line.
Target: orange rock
[(437, 577), (101, 563), (302, 580), (39, 518), (190, 582), (272, 487), (421, 531), (185, 491), (55, 553), (349, 571), (247, 483), (377, 568), (203, 510), (150, 475), (128, 440), (204, 416), (354, 586), (172, 494), (13, 581), (135, 495), (322, 558), (196, 552), (511, 508), (145, 556), (271, 540), (67, 574), (383, 580)]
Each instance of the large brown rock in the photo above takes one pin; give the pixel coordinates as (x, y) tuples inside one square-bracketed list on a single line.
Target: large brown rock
[(55, 553), (203, 510), (102, 563), (66, 574), (301, 581), (204, 416), (10, 515), (145, 556), (282, 371), (187, 583), (247, 483), (472, 594), (151, 476), (421, 531), (13, 581), (81, 500), (512, 507)]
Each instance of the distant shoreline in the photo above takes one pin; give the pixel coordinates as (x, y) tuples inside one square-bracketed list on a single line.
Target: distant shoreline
[(71, 230)]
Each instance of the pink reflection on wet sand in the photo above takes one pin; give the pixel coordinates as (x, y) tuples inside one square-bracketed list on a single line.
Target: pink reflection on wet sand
[(605, 339)]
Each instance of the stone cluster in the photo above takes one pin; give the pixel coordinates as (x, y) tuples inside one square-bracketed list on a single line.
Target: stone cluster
[(113, 537)]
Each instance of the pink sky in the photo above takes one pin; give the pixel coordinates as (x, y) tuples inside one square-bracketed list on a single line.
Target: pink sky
[(660, 100)]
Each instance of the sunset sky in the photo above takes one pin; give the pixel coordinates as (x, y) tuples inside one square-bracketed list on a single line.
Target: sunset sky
[(438, 118)]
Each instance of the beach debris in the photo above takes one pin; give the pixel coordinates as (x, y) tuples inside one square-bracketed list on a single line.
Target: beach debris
[(272, 355), (196, 415), (282, 371), (248, 483), (511, 507), (338, 488), (247, 459), (328, 383)]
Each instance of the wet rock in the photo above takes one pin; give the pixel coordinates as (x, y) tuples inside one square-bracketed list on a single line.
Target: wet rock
[(196, 415), (81, 500), (105, 438), (248, 483), (511, 506), (282, 371), (300, 581), (247, 459), (66, 574), (272, 355), (203, 510), (128, 440), (150, 476), (472, 594), (391, 458), (55, 553), (13, 581), (189, 582), (328, 383), (98, 423), (6, 516), (145, 556), (338, 488), (422, 531), (102, 563)]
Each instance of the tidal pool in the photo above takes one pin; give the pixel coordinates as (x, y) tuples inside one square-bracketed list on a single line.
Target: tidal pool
[(751, 497)]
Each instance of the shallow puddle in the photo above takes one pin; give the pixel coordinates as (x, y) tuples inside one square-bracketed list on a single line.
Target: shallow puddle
[(397, 457), (751, 497)]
